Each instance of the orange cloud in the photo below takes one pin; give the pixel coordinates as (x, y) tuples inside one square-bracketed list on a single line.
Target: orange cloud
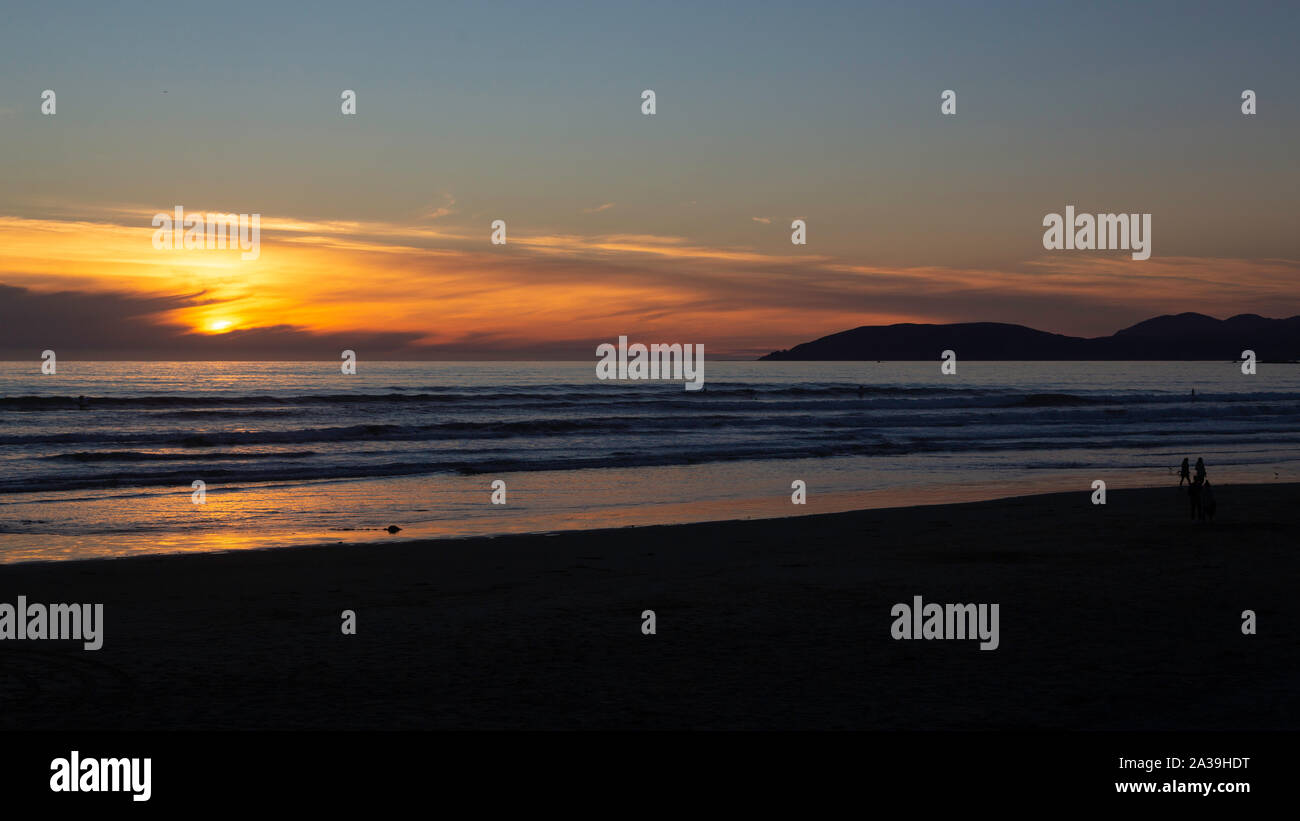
[(452, 290)]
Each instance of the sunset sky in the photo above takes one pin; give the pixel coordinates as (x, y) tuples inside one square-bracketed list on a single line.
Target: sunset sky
[(673, 227)]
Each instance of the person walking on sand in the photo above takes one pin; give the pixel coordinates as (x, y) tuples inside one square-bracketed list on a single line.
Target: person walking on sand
[(1185, 472), (1200, 470)]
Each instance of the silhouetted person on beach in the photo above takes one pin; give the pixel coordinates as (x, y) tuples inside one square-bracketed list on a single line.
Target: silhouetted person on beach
[(1200, 470), (1185, 472), (1207, 502)]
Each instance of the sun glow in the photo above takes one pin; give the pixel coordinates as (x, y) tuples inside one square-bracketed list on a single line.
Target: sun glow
[(217, 326)]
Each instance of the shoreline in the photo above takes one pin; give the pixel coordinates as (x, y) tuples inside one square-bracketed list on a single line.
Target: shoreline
[(1123, 616), (456, 538)]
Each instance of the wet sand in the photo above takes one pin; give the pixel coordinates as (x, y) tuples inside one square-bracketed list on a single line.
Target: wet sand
[(1123, 616)]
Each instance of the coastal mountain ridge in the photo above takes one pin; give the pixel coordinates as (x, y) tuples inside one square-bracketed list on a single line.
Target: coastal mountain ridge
[(1186, 336)]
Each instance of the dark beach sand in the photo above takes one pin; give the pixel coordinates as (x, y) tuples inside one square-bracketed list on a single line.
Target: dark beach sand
[(1125, 616)]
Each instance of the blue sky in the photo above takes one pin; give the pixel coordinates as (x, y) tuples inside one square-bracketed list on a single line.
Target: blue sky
[(766, 111)]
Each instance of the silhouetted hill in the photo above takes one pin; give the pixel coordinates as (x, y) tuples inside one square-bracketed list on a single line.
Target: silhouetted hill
[(1171, 337)]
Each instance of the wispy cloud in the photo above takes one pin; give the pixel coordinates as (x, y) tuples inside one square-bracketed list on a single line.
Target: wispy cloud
[(441, 294), (764, 220), (602, 207), (444, 210)]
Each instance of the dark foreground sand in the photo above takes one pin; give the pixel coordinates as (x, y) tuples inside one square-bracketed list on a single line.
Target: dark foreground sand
[(1123, 616)]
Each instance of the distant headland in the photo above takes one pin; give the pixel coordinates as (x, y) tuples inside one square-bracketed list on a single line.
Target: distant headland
[(1187, 336)]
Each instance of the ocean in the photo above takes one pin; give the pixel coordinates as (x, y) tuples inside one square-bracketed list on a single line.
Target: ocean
[(100, 459)]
